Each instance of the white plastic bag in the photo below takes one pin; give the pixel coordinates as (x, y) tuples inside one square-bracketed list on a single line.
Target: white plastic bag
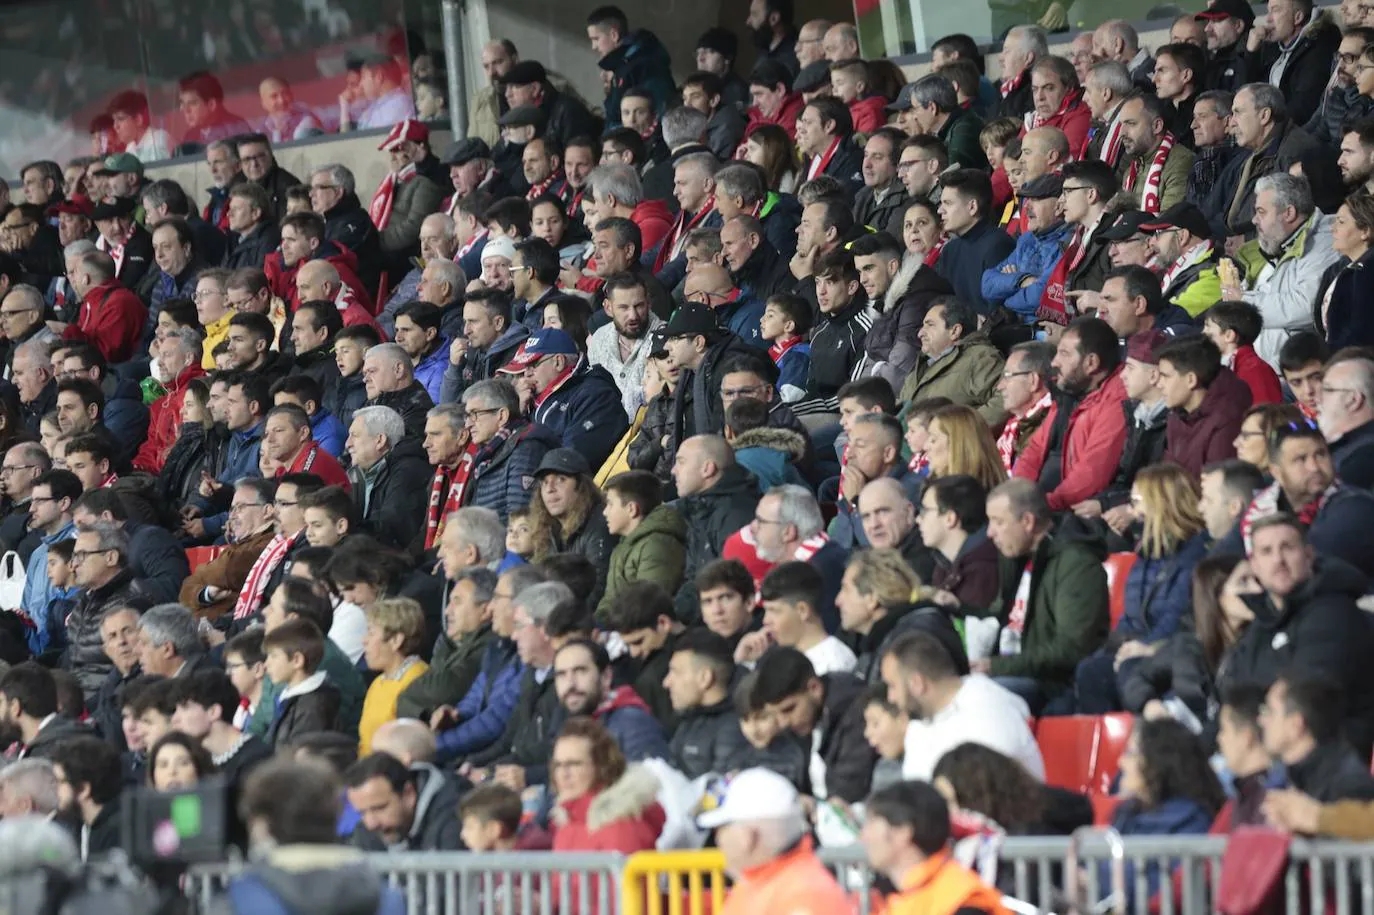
[(12, 580)]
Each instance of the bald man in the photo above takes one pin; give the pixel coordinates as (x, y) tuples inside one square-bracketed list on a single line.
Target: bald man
[(286, 118), (1043, 151), (717, 498), (319, 280), (438, 242), (711, 285), (811, 42), (389, 378), (407, 740), (1117, 39), (841, 42)]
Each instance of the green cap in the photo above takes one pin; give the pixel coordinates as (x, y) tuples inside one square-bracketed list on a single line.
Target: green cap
[(122, 164)]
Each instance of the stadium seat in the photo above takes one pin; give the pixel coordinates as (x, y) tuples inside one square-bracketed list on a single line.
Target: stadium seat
[(198, 556), (1118, 566), (1114, 732), (1068, 744), (1104, 808)]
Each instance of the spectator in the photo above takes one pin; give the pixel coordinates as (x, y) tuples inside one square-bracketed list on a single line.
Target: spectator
[(1057, 101), (110, 317), (716, 498), (711, 94), (791, 595), (508, 449), (212, 589), (953, 526), (460, 649), (255, 232), (1280, 49), (119, 639), (333, 195), (878, 601), (958, 361), (106, 582), (51, 500), (1346, 417), (631, 60), (1209, 184), (206, 703), (851, 83), (1018, 282), (1180, 75), (403, 808), (1087, 258), (89, 786), (527, 83), (653, 537), (1158, 165), (396, 633), (418, 332), (824, 136), (1207, 402), (707, 738), (405, 196), (1301, 721), (1234, 327), (384, 458), (29, 693), (490, 340), (1023, 47), (172, 646), (631, 325), (1261, 125), (975, 244), (1342, 284), (28, 789)]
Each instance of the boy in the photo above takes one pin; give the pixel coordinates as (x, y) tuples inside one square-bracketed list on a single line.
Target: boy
[(791, 593), (918, 431), (328, 516), (885, 731), (786, 325), (849, 83), (61, 602), (768, 453), (770, 744), (519, 539), (308, 702), (244, 663), (1302, 362), (1233, 327), (1206, 404), (845, 321), (653, 536), (205, 705), (642, 615), (350, 346), (153, 707), (725, 591), (490, 815), (131, 707), (994, 139)]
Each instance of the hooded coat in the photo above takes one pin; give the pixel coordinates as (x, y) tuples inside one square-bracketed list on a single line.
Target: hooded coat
[(771, 455), (892, 348), (655, 551), (639, 62), (968, 374), (623, 817), (1208, 434)]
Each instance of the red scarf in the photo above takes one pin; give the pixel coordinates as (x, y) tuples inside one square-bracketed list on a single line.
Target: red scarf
[(1034, 120), (1154, 175), (539, 190), (1011, 85), (1006, 442), (380, 211), (919, 463), (250, 597), (821, 162), (810, 547), (1052, 302), (446, 495), (933, 254), (108, 481), (472, 243), (670, 247), (1266, 503), (555, 384), (779, 349)]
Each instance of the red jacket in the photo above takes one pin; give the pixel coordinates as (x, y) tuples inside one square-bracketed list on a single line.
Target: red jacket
[(1073, 117), (164, 422), (282, 279), (322, 464), (111, 320), (624, 817), (786, 118), (1194, 440), (1092, 445), (1258, 375), (868, 114), (654, 220)]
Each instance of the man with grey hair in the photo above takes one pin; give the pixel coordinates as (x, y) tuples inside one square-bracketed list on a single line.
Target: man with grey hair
[(1212, 182), (388, 466), (1260, 124), (1104, 92), (446, 447), (740, 190), (31, 373), (694, 184), (172, 646), (509, 448), (788, 526), (1347, 418), (460, 648), (618, 192), (438, 245), (389, 379), (1021, 49), (935, 106), (22, 319), (1292, 251), (406, 739), (333, 195), (222, 156), (684, 133), (1116, 39), (28, 788), (473, 537)]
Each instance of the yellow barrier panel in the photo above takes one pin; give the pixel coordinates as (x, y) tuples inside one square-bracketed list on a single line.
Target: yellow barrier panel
[(689, 876)]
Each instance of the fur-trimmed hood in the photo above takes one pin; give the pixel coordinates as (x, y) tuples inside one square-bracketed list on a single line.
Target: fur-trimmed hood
[(774, 438), (634, 795)]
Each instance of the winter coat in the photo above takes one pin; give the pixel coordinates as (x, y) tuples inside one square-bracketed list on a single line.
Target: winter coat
[(584, 411), (481, 364), (706, 739), (1332, 772), (348, 225), (1067, 616), (322, 879), (845, 166), (795, 881), (436, 826), (487, 706), (780, 215), (503, 477), (968, 374), (623, 817), (413, 403), (1159, 594), (251, 250), (645, 450), (594, 541), (429, 371), (655, 551), (1145, 441), (966, 257), (898, 621), (352, 397), (765, 273), (1091, 448), (1353, 456), (972, 576), (711, 516), (282, 279), (1339, 307), (530, 732), (885, 214), (395, 507), (770, 455), (1178, 674), (228, 571), (312, 708), (1284, 290), (1176, 816), (54, 732), (1034, 256), (1074, 118), (847, 529), (85, 655), (1238, 210), (639, 62), (696, 405), (193, 452), (960, 136), (125, 417), (1173, 181), (319, 364), (1208, 434), (892, 348), (452, 670), (1308, 69), (164, 418), (725, 131), (413, 201), (847, 756), (111, 319)]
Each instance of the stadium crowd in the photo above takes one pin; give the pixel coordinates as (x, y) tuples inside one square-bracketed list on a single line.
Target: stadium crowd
[(775, 427)]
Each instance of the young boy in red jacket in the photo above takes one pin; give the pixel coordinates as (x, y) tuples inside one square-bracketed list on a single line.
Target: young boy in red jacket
[(849, 82), (1233, 327)]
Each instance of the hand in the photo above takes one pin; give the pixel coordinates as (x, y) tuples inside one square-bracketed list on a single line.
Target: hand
[(1130, 650), (1233, 244), (214, 593), (189, 511), (803, 263), (1293, 811), (1155, 711), (1232, 293), (513, 777), (1259, 33), (1090, 508), (1119, 518), (457, 350), (944, 599), (214, 638), (852, 482), (607, 79), (208, 485), (1027, 281), (751, 647), (1085, 300), (983, 666), (443, 718), (569, 277), (1052, 331)]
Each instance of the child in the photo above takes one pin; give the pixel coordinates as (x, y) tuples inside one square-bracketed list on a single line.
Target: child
[(653, 536), (770, 744), (768, 453), (395, 635), (50, 635), (885, 731), (849, 82), (153, 708), (519, 539), (490, 815), (297, 200), (308, 702), (786, 324), (244, 662), (1302, 363), (131, 706), (918, 431), (994, 138), (1233, 327)]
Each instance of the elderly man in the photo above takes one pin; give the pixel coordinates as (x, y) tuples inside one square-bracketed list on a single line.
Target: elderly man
[(1284, 265), (447, 447), (386, 466), (508, 447), (788, 527), (213, 588), (333, 195), (1261, 124), (225, 174), (119, 637), (1116, 39), (106, 583), (874, 453), (1155, 167), (28, 792), (1293, 51), (889, 523), (31, 374), (389, 379), (1104, 92), (1347, 418), (171, 643), (255, 234), (405, 196), (935, 108), (320, 281), (1211, 183), (1023, 47), (1025, 390), (694, 188), (438, 243), (178, 355), (21, 321), (755, 265), (22, 465), (622, 346)]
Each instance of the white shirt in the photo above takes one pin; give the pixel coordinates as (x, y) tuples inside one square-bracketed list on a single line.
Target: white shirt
[(154, 145), (348, 629), (830, 656), (981, 712)]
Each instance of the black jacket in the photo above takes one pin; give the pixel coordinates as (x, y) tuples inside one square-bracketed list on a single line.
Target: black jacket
[(56, 731), (395, 510), (848, 758), (1179, 668), (1144, 446), (658, 180), (413, 403), (1228, 68), (156, 561), (348, 224), (647, 678), (138, 258), (725, 130), (107, 713), (1283, 149), (308, 713), (765, 274), (1019, 101), (252, 250), (697, 407), (566, 118), (712, 516), (1353, 455), (1332, 772), (351, 396), (1308, 69), (436, 826), (85, 656), (1348, 321), (15, 534), (276, 182), (319, 364), (594, 541), (846, 166), (529, 735), (925, 618), (885, 215), (707, 739)]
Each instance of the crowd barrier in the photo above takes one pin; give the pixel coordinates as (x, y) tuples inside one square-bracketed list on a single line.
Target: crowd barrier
[(1046, 874)]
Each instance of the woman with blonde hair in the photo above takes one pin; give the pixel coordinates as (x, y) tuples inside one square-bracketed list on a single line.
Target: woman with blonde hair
[(960, 442), (1164, 498), (1256, 428), (395, 637), (880, 597)]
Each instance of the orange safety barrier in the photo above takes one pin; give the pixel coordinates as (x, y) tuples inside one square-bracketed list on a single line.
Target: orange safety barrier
[(686, 882)]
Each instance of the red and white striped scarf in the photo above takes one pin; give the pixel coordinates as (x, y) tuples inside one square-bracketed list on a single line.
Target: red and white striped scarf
[(1111, 146), (109, 481), (446, 495), (250, 597), (1011, 85), (810, 547), (1266, 503), (382, 201), (1006, 442), (821, 162), (1154, 175)]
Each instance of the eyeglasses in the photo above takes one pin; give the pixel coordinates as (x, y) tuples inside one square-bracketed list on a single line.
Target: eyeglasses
[(80, 556), (245, 505), (484, 412), (1008, 376), (199, 296), (1069, 190), (6, 471)]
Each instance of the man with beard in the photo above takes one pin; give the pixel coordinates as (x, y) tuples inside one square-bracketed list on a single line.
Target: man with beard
[(1356, 160), (90, 777), (1327, 122), (622, 346), (582, 680), (333, 195), (1155, 167), (1225, 24), (770, 25)]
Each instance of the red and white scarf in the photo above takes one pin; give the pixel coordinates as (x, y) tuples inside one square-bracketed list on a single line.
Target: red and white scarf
[(933, 255), (1266, 503), (382, 201), (109, 480), (676, 238), (1034, 119), (1154, 175), (473, 242), (558, 382), (116, 253), (1193, 256), (821, 162), (1053, 304), (809, 547), (250, 597), (781, 348), (1011, 85), (539, 190), (1111, 146), (1006, 442), (1016, 620), (446, 495)]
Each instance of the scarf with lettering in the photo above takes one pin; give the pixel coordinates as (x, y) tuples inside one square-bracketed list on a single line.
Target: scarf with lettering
[(1006, 442), (1190, 258), (250, 597), (382, 201), (1266, 503), (446, 494), (1053, 305), (1154, 175)]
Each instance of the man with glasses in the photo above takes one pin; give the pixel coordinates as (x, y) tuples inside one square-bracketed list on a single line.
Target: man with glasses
[(333, 195), (100, 567), (26, 236), (260, 167), (288, 525), (23, 464), (21, 321), (31, 373), (212, 589), (508, 448), (1327, 123), (1078, 275), (51, 500), (1025, 390), (1347, 418)]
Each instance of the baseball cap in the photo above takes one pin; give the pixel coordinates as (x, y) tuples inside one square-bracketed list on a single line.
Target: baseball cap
[(121, 164), (751, 795), (547, 341), (812, 77), (565, 461), (524, 116), (76, 206), (903, 102), (409, 129), (1127, 225), (1145, 346), (524, 73), (1183, 215), (498, 246), (1049, 185), (690, 320), (464, 151), (109, 209), (1223, 9), (658, 344)]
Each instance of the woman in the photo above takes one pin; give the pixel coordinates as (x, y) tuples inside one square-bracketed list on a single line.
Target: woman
[(196, 448), (922, 233), (645, 450), (48, 431), (395, 635), (960, 442), (1158, 588), (177, 762), (1180, 680), (880, 597), (769, 148), (1252, 442), (1347, 286), (978, 779), (363, 576), (565, 513), (571, 314), (1169, 789)]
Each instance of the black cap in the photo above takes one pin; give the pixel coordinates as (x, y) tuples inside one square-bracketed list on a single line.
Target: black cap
[(692, 319), (812, 77), (565, 461), (1127, 225), (1223, 9), (1049, 185), (1183, 215), (524, 73), (109, 209), (903, 102), (658, 344), (464, 151), (524, 116), (720, 40)]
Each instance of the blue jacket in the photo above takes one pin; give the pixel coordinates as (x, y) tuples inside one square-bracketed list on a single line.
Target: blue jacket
[(742, 317), (326, 429), (470, 262), (125, 416), (771, 455), (1159, 593), (408, 291), (848, 531), (430, 371), (488, 704), (241, 460), (794, 367), (326, 890), (966, 257), (585, 412), (503, 477), (1035, 255), (636, 731), (38, 590), (1174, 817)]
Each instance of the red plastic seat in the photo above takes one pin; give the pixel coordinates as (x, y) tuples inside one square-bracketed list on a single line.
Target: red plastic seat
[(1118, 566), (1104, 808), (198, 556), (1114, 732), (1068, 744)]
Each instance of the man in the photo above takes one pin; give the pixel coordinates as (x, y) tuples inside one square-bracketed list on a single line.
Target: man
[(788, 527), (1026, 396), (775, 37), (509, 448), (622, 346), (403, 809), (755, 265), (1131, 302), (1057, 101), (42, 182), (1285, 263), (246, 402), (405, 196), (953, 526), (1155, 168), (446, 443), (127, 242), (1302, 725), (179, 266), (51, 499), (770, 87), (110, 317), (577, 401), (205, 705), (1260, 123), (975, 243), (28, 791), (1079, 274), (1356, 160), (213, 588), (201, 101), (31, 371), (1327, 124), (1180, 239), (1087, 364), (288, 440), (461, 648), (881, 202), (542, 161), (303, 242), (1023, 47), (680, 133), (178, 356), (418, 332), (707, 736), (617, 193), (119, 637), (1347, 418), (286, 119), (716, 497), (957, 361), (1225, 24), (90, 779), (705, 92), (527, 84), (628, 59), (438, 244), (106, 582), (534, 277), (1104, 92), (333, 196), (172, 646), (582, 680), (874, 452), (314, 326), (490, 340), (825, 133), (1179, 76), (260, 166), (936, 110), (254, 233), (390, 381), (694, 188), (1292, 51), (1207, 403), (223, 159), (1227, 489), (792, 593), (384, 465), (1117, 40), (28, 704), (22, 465), (710, 285)]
